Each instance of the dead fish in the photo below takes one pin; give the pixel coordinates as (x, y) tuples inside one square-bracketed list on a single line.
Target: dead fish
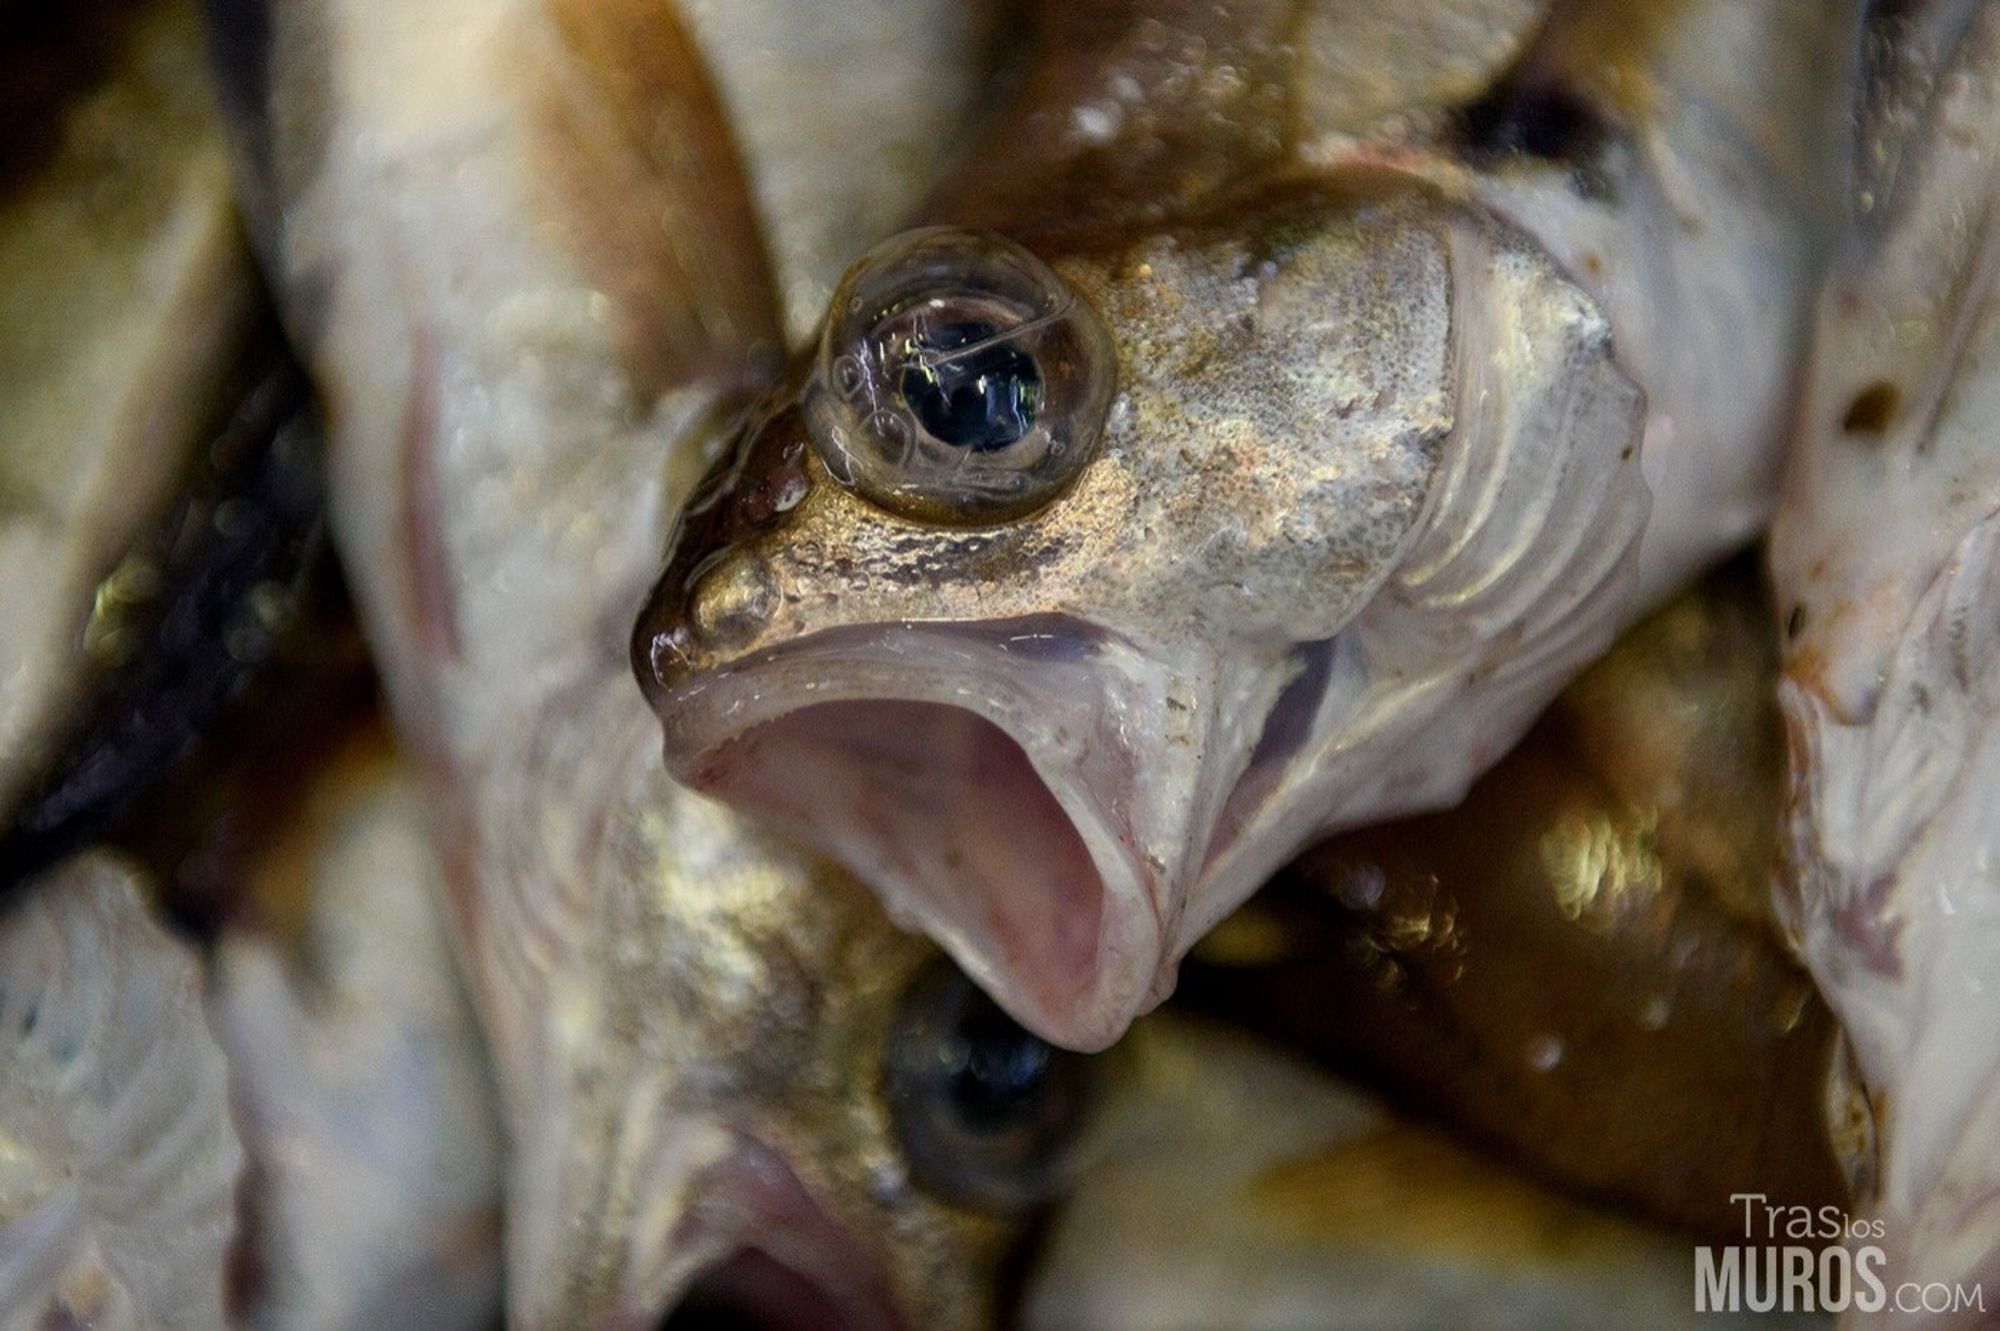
[(1247, 1190), (1282, 454), (356, 1069), (516, 247), (1577, 967), (118, 1177), (158, 493), (1884, 554)]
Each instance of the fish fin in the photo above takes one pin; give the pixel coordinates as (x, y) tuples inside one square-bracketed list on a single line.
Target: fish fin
[(1893, 898), (115, 1099)]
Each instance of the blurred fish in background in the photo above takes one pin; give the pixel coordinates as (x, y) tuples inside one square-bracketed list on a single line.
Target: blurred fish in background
[(361, 966), (159, 487)]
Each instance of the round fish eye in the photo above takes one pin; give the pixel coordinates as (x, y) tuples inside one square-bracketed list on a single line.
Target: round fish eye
[(988, 1115), (958, 379), (970, 388)]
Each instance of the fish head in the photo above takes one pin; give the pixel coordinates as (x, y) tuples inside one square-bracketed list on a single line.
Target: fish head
[(767, 1103), (1020, 599)]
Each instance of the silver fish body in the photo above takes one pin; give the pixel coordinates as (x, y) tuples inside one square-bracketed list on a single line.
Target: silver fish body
[(356, 1069), (515, 243), (125, 296)]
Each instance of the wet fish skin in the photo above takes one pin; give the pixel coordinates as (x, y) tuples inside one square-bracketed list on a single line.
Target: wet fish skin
[(138, 372), (1883, 555), (1578, 966), (845, 123), (1248, 1189), (515, 246), (1327, 559), (1130, 115), (356, 1067)]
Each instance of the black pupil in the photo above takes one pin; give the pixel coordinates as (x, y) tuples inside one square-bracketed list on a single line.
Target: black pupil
[(987, 1115), (997, 1073), (982, 400)]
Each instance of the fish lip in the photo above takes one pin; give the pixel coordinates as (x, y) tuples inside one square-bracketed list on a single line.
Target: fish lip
[(712, 720), (754, 1209), (747, 1200), (758, 1288)]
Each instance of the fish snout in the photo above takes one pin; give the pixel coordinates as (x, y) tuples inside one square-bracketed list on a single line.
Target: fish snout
[(718, 591), (1038, 794)]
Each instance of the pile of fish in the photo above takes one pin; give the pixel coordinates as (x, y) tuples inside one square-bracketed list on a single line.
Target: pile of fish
[(910, 663)]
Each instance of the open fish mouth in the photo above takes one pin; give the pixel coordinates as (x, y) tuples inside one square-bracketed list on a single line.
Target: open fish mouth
[(1000, 784), (752, 1289), (737, 1240), (784, 1263)]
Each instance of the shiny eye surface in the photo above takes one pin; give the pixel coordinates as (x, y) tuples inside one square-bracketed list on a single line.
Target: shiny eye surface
[(970, 389), (958, 379), (988, 1115)]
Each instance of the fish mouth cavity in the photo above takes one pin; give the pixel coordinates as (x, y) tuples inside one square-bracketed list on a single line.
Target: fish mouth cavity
[(785, 1264), (752, 1291), (983, 779)]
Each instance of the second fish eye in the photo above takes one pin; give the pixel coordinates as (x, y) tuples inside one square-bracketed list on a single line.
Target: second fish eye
[(988, 1115), (958, 379)]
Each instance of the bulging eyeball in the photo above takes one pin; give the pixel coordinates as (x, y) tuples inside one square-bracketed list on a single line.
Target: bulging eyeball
[(958, 379)]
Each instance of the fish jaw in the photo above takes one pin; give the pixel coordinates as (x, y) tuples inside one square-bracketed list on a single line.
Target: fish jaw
[(688, 1019), (680, 1205), (654, 1163), (1066, 744), (637, 1189), (1029, 793)]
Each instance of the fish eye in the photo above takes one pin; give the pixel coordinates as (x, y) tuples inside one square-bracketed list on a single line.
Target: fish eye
[(958, 379), (988, 1115)]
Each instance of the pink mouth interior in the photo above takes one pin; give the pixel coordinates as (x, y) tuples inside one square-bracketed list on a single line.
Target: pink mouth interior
[(793, 1267), (944, 801), (753, 1292)]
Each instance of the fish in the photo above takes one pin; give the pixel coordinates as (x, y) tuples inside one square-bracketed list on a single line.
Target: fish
[(159, 494), (1245, 444), (325, 1152), (516, 247), (373, 1154), (358, 1077), (1296, 1171), (1883, 557), (1246, 1188), (1579, 967), (118, 1178)]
